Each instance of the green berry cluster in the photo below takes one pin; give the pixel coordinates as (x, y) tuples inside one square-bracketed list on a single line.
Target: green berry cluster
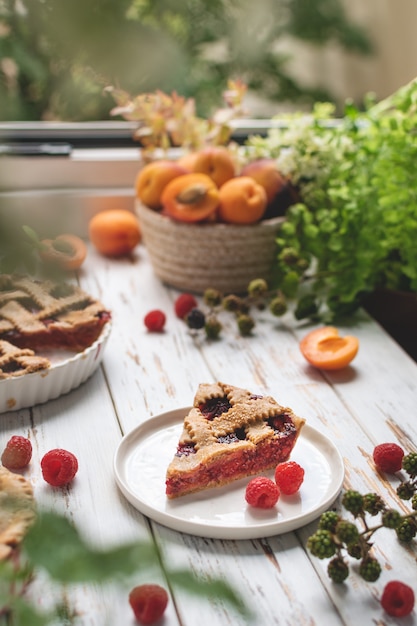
[(257, 297), (337, 537)]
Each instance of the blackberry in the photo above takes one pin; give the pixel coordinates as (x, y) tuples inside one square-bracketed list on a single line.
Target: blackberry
[(406, 490), (370, 569), (407, 530), (354, 550), (338, 570), (257, 287), (212, 297), (195, 319), (245, 324), (353, 502), (212, 327), (373, 504), (347, 532), (278, 306), (328, 520), (391, 518), (410, 464), (321, 544)]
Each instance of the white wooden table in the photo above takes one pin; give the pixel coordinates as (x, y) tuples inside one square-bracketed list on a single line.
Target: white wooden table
[(144, 374)]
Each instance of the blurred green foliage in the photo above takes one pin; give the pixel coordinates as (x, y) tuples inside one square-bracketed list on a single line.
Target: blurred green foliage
[(56, 56)]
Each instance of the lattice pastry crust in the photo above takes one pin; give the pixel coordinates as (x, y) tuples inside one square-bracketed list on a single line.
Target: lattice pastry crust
[(38, 314), (16, 361), (228, 434)]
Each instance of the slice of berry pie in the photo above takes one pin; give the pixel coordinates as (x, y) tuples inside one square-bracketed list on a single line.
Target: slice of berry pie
[(46, 314), (228, 434)]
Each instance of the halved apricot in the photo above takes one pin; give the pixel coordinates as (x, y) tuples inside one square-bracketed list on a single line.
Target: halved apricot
[(66, 252), (326, 349), (190, 198)]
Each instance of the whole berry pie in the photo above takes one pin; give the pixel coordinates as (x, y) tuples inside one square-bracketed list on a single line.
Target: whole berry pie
[(43, 314), (228, 434)]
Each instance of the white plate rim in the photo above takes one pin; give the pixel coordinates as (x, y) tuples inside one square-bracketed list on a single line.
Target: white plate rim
[(267, 529)]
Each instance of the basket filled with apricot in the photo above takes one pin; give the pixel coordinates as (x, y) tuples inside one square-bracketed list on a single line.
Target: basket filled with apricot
[(205, 224)]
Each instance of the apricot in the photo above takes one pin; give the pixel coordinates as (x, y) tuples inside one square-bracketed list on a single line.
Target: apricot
[(152, 180), (265, 172), (216, 162), (114, 232), (187, 161), (190, 198), (67, 252), (242, 201)]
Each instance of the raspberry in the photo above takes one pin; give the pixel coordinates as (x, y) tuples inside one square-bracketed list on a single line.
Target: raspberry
[(289, 477), (195, 319), (397, 599), (148, 603), (183, 305), (155, 321), (388, 457), (17, 453), (262, 492), (59, 467)]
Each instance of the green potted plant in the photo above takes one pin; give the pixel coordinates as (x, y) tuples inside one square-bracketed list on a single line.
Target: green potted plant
[(351, 240)]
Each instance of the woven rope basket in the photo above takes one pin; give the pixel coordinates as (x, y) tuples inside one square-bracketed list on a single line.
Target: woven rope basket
[(193, 257)]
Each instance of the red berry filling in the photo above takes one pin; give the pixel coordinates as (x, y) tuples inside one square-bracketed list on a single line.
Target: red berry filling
[(185, 449), (397, 599), (388, 457), (214, 407)]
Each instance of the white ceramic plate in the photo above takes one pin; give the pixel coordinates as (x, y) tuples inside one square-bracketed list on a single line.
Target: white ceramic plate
[(143, 455), (68, 371)]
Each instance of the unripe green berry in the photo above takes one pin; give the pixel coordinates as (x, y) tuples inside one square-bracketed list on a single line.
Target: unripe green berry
[(353, 502), (289, 256), (406, 530), (233, 303), (354, 550), (212, 297), (391, 518), (347, 532), (212, 327), (321, 544), (338, 570), (328, 520), (406, 490), (257, 287), (245, 324), (410, 464), (278, 306), (414, 502), (373, 503), (370, 569)]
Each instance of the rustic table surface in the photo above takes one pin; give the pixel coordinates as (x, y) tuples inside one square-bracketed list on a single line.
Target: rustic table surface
[(145, 374)]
